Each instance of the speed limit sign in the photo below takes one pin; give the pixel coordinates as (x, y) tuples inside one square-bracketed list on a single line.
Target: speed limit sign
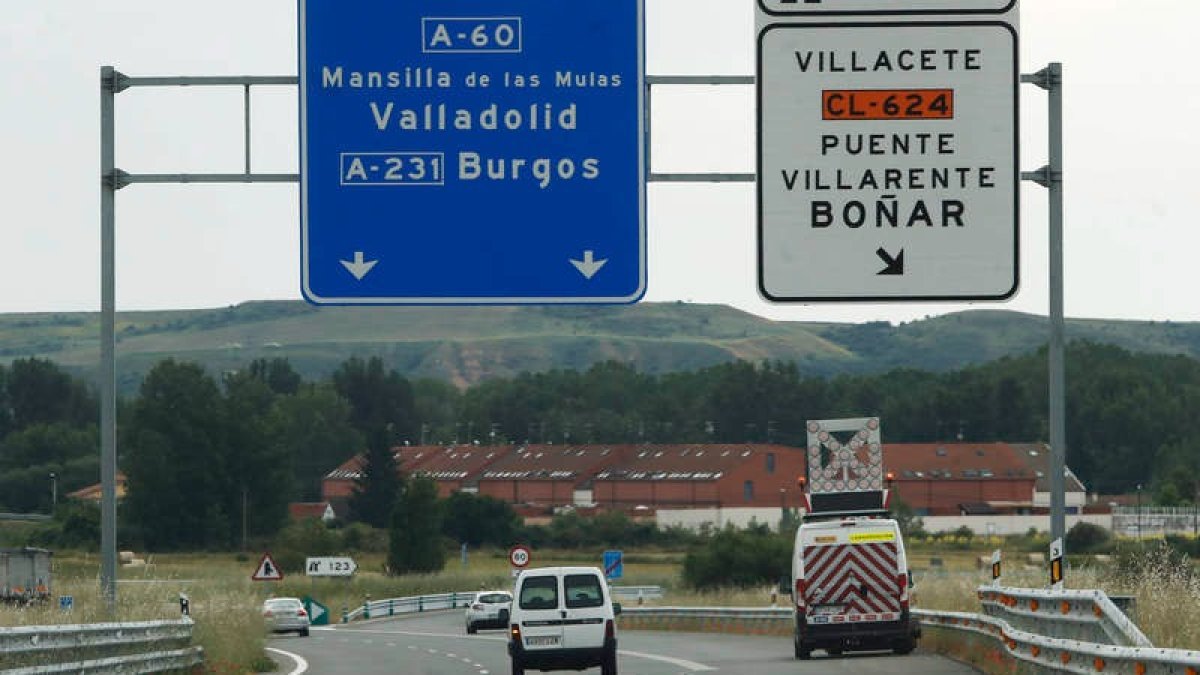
[(518, 556)]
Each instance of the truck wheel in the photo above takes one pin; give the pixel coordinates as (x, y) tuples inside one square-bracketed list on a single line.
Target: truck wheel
[(517, 667), (904, 646), (471, 629), (802, 651)]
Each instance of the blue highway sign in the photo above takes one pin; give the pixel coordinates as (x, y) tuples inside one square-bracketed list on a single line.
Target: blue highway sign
[(472, 151), (614, 564)]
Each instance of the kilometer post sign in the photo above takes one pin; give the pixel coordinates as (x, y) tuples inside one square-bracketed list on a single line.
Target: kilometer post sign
[(887, 158)]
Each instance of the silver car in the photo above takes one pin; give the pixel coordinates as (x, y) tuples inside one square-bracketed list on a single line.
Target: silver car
[(489, 609), (284, 615)]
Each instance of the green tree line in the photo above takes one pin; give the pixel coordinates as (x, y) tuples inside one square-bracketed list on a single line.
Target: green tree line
[(210, 458)]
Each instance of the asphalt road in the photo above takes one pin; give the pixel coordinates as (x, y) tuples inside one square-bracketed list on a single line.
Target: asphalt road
[(437, 644)]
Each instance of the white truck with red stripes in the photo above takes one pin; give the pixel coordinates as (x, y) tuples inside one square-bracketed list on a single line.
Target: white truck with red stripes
[(850, 583), (850, 577)]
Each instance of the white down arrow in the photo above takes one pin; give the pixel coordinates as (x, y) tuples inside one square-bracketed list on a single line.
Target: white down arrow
[(589, 265), (359, 267)]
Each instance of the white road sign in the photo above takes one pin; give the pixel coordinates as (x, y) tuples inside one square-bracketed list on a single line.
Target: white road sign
[(330, 567), (519, 556), (873, 7), (888, 159)]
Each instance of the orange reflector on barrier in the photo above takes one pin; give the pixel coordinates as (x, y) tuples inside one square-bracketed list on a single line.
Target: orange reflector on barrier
[(1035, 650), (1139, 669), (1066, 607), (1098, 663), (1066, 657), (1097, 611), (1033, 604)]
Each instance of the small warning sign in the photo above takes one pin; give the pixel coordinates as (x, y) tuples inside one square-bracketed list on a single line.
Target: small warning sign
[(267, 570)]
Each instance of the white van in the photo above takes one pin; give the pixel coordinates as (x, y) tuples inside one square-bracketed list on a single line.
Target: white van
[(850, 585), (563, 618)]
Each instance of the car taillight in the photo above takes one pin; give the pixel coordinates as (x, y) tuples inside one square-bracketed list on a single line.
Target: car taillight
[(478, 607), (515, 630), (301, 613), (267, 614), (801, 586), (902, 582), (610, 630)]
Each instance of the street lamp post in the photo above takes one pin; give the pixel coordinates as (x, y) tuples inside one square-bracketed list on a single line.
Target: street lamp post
[(53, 493)]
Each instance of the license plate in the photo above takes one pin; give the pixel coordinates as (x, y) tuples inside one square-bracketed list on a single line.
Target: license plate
[(542, 640), (826, 610)]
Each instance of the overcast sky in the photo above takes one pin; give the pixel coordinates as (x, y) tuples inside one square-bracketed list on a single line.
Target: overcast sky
[(1132, 101)]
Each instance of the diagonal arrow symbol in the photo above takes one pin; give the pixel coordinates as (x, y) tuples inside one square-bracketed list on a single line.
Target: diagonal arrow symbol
[(895, 266), (358, 267), (589, 265)]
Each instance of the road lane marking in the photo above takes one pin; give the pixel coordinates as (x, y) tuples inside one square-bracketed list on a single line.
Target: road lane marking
[(682, 663), (301, 664)]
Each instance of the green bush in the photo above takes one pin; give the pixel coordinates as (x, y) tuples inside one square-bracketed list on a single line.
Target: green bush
[(308, 537), (738, 558), (1088, 538), (364, 538)]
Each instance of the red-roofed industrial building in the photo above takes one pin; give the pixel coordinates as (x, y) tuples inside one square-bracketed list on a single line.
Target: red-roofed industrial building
[(692, 476), (933, 478), (974, 478), (339, 483), (548, 475), (454, 468)]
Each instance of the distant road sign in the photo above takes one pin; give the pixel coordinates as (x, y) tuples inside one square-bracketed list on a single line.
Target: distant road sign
[(888, 157), (614, 564), (519, 556), (330, 567), (472, 152), (318, 614), (66, 602), (267, 570)]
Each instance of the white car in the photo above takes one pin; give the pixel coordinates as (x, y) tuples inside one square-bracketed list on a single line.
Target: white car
[(488, 609), (283, 615), (563, 618)]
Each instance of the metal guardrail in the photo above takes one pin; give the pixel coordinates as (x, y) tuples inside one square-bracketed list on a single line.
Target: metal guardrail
[(1086, 615), (1046, 644), (772, 613), (624, 593), (28, 517), (374, 609), (87, 648), (1058, 655)]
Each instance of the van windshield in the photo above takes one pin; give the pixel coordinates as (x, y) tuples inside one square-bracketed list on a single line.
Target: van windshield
[(539, 593), (583, 590)]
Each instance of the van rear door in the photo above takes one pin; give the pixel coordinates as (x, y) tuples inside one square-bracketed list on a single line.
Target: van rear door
[(852, 574), (586, 610), (541, 617)]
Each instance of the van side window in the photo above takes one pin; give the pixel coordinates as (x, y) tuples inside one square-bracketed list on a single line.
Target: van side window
[(539, 593), (583, 590)]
